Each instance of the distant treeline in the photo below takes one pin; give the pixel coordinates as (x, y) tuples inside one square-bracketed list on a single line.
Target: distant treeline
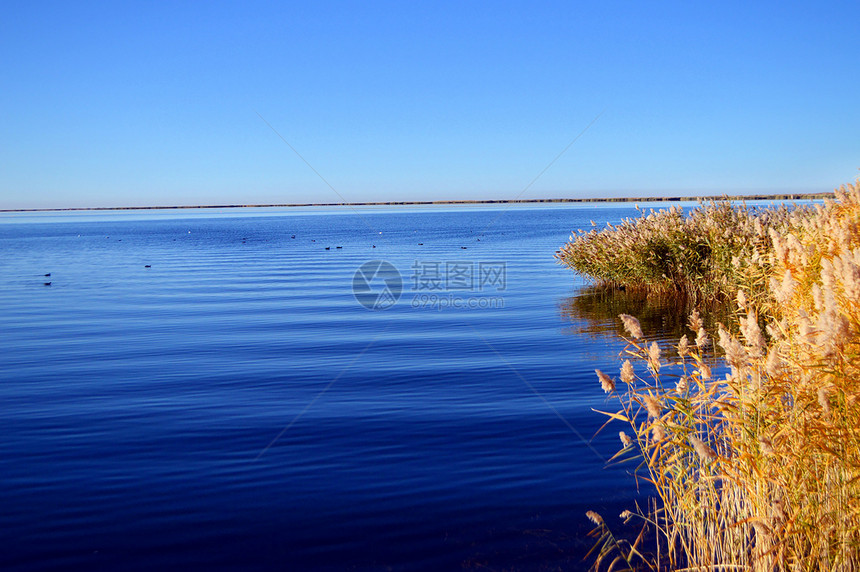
[(783, 197)]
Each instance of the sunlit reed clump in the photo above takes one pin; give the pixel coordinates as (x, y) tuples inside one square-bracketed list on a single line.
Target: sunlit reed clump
[(703, 254), (757, 468)]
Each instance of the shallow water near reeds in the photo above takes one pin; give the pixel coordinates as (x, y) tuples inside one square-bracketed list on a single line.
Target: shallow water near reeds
[(203, 389)]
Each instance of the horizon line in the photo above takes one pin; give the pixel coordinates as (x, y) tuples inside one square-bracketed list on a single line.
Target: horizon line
[(752, 197)]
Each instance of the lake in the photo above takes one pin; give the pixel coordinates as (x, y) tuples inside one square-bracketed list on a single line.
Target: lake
[(258, 389)]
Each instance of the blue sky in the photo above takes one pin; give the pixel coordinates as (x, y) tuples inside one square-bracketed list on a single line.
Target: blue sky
[(157, 103)]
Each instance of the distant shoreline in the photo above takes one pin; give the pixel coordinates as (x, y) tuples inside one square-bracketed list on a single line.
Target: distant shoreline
[(781, 197)]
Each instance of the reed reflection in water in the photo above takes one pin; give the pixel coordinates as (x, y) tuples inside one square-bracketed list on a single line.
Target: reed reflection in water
[(594, 313)]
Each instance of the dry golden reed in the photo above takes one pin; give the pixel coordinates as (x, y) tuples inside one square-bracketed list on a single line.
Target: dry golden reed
[(632, 326), (704, 254), (756, 468), (605, 381)]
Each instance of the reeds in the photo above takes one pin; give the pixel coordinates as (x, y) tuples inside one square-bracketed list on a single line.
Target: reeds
[(702, 254), (758, 468)]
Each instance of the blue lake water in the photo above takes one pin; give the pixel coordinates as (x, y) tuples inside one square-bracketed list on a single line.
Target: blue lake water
[(234, 406)]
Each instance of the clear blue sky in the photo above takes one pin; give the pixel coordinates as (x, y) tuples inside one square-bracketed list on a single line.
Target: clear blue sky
[(144, 103)]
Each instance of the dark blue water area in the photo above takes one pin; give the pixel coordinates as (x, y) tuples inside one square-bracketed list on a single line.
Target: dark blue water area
[(234, 406)]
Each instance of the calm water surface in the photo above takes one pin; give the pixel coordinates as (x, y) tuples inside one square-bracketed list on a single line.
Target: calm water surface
[(233, 406)]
